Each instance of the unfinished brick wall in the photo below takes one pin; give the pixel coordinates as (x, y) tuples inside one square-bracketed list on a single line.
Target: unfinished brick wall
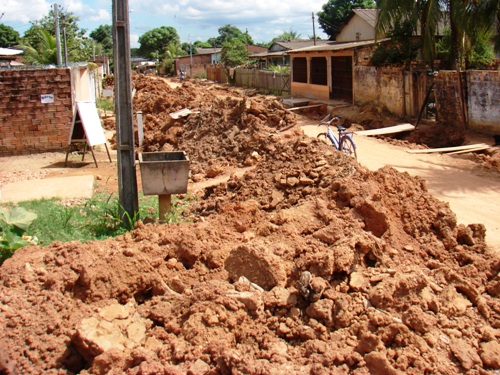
[(27, 125), (448, 100)]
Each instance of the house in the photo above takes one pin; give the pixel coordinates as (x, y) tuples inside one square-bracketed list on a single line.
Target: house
[(277, 53), (197, 63), (10, 57), (326, 71), (359, 26)]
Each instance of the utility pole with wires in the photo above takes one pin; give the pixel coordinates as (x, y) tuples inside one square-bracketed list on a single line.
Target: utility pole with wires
[(127, 178), (58, 35), (63, 19), (190, 56), (314, 29)]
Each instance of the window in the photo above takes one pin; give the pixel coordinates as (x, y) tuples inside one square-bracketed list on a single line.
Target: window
[(300, 69), (318, 71)]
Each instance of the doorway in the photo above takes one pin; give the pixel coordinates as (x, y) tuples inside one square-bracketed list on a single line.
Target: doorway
[(341, 78)]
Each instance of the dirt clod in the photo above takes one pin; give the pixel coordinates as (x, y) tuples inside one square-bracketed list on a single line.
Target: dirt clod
[(307, 263)]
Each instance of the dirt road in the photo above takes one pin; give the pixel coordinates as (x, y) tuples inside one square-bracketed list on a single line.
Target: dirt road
[(307, 263), (474, 198)]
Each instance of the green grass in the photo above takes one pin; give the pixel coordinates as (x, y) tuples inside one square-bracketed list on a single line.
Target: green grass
[(106, 104), (96, 219)]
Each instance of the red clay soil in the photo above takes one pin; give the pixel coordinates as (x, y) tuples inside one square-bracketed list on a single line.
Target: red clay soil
[(306, 264)]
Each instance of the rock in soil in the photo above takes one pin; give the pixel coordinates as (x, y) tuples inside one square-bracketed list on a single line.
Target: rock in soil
[(306, 264)]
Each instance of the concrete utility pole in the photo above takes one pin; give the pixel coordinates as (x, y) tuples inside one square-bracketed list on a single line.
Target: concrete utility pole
[(127, 179), (58, 36), (190, 56), (66, 62), (314, 29)]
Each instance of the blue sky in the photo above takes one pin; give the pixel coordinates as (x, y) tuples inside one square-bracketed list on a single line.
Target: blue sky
[(193, 19)]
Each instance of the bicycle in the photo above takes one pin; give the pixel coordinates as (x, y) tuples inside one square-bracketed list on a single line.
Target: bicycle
[(343, 142)]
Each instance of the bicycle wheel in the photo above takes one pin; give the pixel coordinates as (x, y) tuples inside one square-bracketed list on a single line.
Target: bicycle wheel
[(323, 137), (348, 147)]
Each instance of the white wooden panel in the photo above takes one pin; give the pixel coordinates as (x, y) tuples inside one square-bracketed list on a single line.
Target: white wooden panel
[(91, 123)]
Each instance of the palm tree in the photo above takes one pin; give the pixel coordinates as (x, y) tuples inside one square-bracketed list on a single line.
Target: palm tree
[(287, 35), (172, 50), (45, 51), (429, 14)]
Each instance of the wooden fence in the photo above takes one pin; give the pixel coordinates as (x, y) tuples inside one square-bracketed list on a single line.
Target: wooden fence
[(253, 78)]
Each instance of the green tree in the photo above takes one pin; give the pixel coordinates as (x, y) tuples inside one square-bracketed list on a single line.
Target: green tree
[(479, 55), (234, 53), (104, 36), (172, 51), (45, 50), (428, 14), (79, 47), (154, 42), (286, 35), (67, 21), (200, 44), (401, 49), (229, 33), (8, 36), (188, 48), (336, 12)]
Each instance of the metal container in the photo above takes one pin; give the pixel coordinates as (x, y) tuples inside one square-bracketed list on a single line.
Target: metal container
[(164, 173)]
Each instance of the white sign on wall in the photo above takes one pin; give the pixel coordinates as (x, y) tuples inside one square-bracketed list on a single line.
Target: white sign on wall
[(47, 98)]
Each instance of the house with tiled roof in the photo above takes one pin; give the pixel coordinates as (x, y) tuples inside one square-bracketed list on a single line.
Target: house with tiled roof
[(325, 70), (359, 26), (197, 63), (277, 53)]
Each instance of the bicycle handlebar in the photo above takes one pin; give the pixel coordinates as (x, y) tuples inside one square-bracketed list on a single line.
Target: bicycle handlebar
[(329, 119)]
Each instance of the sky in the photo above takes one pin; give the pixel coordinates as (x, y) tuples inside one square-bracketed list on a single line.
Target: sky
[(193, 19)]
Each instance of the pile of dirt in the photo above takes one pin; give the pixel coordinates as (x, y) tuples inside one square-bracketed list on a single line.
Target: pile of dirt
[(488, 160), (306, 264), (224, 127)]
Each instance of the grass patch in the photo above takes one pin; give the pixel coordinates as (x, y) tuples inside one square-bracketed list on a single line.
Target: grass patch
[(106, 104), (96, 219)]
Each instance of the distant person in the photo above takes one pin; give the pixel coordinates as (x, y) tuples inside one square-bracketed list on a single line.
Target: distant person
[(182, 75)]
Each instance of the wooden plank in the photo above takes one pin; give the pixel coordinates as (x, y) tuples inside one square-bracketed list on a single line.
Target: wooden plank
[(182, 113), (306, 106), (479, 148), (387, 130), (295, 102), (447, 149)]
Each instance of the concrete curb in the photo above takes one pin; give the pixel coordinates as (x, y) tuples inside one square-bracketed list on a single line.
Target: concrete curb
[(58, 187)]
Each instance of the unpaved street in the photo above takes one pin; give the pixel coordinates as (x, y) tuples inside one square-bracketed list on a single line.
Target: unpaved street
[(474, 198), (308, 263)]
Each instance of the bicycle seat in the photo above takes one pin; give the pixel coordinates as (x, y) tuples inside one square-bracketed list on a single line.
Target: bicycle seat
[(341, 128)]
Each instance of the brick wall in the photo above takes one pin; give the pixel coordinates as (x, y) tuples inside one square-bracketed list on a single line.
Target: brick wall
[(448, 101), (27, 125)]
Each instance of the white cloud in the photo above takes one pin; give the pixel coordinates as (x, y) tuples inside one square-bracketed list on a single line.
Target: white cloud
[(101, 15), (193, 19), (86, 10), (264, 19), (16, 12), (134, 40)]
